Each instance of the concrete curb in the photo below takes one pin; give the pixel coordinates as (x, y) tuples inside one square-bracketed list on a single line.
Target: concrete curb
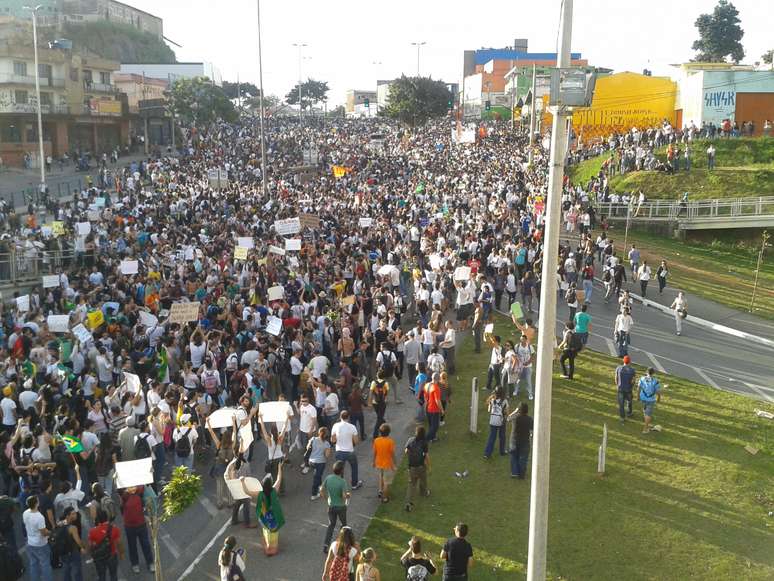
[(703, 322)]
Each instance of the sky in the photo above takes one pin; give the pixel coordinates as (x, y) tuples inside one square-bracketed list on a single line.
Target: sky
[(351, 44)]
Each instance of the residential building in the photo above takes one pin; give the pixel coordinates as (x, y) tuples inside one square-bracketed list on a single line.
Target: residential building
[(173, 71), (81, 108), (356, 102)]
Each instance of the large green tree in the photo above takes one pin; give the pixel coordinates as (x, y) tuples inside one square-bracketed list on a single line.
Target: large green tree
[(414, 100), (768, 57), (312, 93), (232, 90), (200, 102), (720, 35)]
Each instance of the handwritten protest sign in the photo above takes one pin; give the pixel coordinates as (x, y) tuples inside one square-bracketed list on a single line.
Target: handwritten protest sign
[(81, 333), (184, 312), (274, 327), (83, 228), (240, 252), (147, 319), (309, 221), (58, 323), (288, 226), (130, 266), (276, 293), (132, 382), (246, 242), (292, 244), (51, 281), (275, 411), (462, 273), (57, 228), (23, 303), (277, 250), (222, 418), (94, 319), (134, 473), (365, 222)]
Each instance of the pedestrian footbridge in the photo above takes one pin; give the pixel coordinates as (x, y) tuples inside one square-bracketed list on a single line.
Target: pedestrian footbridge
[(699, 215)]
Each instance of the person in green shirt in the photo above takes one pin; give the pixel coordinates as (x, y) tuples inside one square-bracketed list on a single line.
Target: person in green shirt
[(583, 324), (337, 492), (268, 510)]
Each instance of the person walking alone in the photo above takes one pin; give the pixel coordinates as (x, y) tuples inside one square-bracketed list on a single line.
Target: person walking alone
[(418, 456), (680, 309), (661, 276), (650, 393), (644, 275), (337, 493)]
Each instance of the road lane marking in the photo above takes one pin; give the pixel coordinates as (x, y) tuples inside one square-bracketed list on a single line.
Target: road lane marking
[(655, 362), (171, 545), (706, 378), (200, 556), (759, 390), (208, 506), (611, 347)]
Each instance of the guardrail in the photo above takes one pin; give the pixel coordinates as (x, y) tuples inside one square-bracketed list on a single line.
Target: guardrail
[(18, 267), (663, 210)]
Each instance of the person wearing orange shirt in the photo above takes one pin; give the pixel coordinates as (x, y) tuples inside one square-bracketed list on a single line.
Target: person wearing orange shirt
[(433, 406), (384, 460)]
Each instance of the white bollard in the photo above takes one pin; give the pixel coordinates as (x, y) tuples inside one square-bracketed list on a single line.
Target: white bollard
[(601, 456), (474, 406)]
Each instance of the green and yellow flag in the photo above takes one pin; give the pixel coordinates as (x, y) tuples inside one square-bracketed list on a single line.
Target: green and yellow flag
[(72, 444)]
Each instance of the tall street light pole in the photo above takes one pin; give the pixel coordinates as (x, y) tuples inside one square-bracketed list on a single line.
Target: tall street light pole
[(419, 45), (532, 115), (261, 110), (541, 447), (42, 161), (300, 46)]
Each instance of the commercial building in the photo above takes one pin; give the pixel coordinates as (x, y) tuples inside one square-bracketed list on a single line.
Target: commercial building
[(146, 99), (355, 104), (486, 70), (81, 107), (714, 92), (58, 12), (174, 71)]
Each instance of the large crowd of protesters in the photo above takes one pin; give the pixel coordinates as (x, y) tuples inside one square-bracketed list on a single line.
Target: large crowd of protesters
[(367, 315)]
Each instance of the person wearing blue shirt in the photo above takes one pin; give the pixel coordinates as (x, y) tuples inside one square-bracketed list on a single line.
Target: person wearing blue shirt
[(624, 381), (583, 324), (650, 393)]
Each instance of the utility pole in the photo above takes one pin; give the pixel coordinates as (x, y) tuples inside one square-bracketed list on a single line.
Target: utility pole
[(541, 447), (419, 45), (532, 114), (41, 153), (261, 112), (300, 47), (764, 242), (145, 113)]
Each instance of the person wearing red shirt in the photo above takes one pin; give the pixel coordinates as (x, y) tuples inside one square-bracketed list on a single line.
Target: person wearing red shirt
[(433, 406), (96, 535), (136, 528)]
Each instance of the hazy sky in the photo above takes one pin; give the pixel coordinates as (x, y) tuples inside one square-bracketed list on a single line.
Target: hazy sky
[(352, 43)]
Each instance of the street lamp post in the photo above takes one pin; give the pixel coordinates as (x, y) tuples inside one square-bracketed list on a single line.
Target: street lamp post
[(42, 160), (419, 45), (300, 46), (261, 111)]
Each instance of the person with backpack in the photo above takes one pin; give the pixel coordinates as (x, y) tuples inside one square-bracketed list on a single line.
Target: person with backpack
[(650, 393), (419, 565), (497, 406), (231, 562), (135, 527), (569, 348), (144, 442), (418, 455), (340, 562), (101, 503), (11, 564), (386, 363), (68, 546), (185, 436), (7, 510), (105, 548), (380, 389)]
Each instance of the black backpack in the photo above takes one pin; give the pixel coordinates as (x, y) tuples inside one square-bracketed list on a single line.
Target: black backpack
[(6, 512), (62, 544), (11, 564), (102, 553), (388, 363), (416, 452), (183, 445), (575, 342), (380, 392), (141, 447)]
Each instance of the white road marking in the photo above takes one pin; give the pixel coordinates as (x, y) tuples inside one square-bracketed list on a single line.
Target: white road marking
[(208, 506), (706, 378), (759, 390), (200, 556), (171, 545), (656, 363), (611, 347)]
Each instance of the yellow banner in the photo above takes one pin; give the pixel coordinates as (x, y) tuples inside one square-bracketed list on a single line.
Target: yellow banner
[(240, 253), (95, 319), (339, 171), (57, 228)]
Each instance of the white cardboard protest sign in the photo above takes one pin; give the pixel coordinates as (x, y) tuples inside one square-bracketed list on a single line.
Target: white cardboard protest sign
[(147, 319), (58, 323), (288, 226), (435, 261), (184, 312), (132, 382), (134, 473), (489, 328), (81, 333), (276, 293), (130, 266), (274, 327), (365, 222), (275, 411), (277, 250), (51, 281), (236, 490), (245, 437), (293, 244), (23, 303), (462, 273), (83, 228), (246, 242), (222, 418)]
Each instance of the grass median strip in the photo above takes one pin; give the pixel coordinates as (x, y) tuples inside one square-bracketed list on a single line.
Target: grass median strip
[(688, 502)]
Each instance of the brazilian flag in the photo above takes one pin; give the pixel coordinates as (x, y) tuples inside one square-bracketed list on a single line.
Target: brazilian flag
[(163, 363), (72, 444), (420, 188)]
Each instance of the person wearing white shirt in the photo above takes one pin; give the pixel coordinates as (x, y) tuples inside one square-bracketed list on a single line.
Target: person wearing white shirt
[(318, 365), (344, 435), (307, 425), (623, 326), (644, 274), (104, 368), (448, 345), (38, 549), (412, 356), (680, 309)]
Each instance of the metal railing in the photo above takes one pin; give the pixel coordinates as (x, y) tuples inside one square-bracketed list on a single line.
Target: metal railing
[(57, 190), (664, 210), (13, 79), (18, 267)]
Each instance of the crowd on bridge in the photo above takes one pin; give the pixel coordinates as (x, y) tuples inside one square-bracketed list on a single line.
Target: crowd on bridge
[(339, 297)]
